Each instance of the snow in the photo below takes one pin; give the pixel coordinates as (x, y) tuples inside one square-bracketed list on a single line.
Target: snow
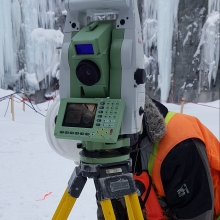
[(189, 85), (32, 81), (44, 54), (30, 169), (183, 86), (187, 37)]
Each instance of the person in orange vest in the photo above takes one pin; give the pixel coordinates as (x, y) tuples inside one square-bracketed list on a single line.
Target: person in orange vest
[(182, 158)]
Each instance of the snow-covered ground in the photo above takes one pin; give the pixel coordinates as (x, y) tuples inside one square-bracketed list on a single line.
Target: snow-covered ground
[(30, 169)]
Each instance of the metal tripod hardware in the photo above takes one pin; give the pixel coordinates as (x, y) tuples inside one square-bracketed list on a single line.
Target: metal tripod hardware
[(112, 181)]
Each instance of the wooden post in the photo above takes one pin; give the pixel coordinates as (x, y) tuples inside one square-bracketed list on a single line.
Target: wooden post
[(23, 102), (182, 104), (12, 108), (172, 92)]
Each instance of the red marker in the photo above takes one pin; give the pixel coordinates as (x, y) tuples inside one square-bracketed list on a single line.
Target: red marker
[(44, 197), (111, 131)]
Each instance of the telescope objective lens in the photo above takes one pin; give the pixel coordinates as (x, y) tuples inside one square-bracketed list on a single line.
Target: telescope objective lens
[(88, 73)]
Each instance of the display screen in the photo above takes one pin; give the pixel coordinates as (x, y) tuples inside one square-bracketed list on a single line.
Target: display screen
[(79, 115), (82, 49)]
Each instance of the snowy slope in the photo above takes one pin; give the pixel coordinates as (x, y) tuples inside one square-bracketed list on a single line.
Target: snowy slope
[(30, 169)]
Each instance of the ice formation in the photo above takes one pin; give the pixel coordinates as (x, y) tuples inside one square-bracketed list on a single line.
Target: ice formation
[(159, 22), (209, 46), (10, 23), (28, 40), (44, 52)]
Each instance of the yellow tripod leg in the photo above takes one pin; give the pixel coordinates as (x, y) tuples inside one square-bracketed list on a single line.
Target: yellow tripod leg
[(133, 207), (108, 209), (65, 206)]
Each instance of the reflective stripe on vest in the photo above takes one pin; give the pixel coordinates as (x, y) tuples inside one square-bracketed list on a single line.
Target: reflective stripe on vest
[(156, 145)]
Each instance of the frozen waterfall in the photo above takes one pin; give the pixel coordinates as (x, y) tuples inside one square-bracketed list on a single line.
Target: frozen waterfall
[(159, 21), (30, 47), (28, 41)]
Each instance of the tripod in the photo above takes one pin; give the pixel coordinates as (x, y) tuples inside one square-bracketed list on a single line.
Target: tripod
[(112, 181)]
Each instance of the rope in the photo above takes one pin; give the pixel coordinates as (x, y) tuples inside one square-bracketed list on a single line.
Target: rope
[(31, 107), (189, 102), (7, 108), (202, 105), (9, 96)]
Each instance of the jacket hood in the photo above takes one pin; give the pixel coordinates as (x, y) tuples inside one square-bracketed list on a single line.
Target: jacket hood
[(154, 119)]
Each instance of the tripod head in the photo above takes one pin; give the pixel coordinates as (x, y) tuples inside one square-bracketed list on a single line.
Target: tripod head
[(102, 91)]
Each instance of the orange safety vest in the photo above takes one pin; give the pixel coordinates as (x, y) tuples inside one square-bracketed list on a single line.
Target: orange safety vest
[(179, 128)]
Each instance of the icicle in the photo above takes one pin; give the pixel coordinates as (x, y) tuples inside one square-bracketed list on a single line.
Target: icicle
[(16, 24), (7, 58), (159, 21), (209, 46), (2, 66), (214, 5), (167, 13), (30, 12), (150, 25)]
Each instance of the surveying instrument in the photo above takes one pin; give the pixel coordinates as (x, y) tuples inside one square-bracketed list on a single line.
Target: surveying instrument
[(102, 96)]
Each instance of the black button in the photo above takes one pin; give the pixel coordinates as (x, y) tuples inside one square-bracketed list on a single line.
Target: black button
[(99, 120), (71, 132), (101, 107), (87, 134), (100, 111), (66, 132), (99, 116), (97, 124), (81, 133), (61, 132), (102, 103), (77, 133)]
